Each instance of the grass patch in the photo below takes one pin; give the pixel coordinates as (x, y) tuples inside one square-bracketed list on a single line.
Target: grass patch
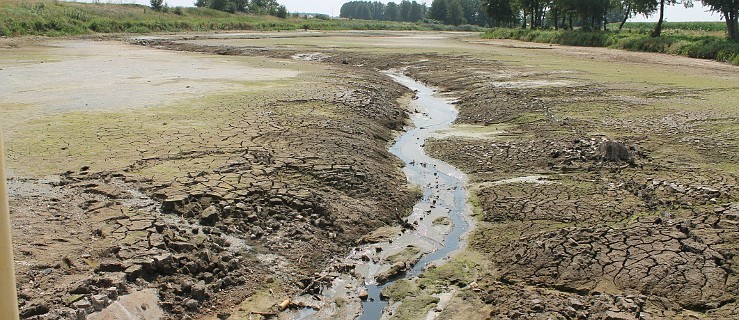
[(56, 18), (690, 45), (415, 307), (408, 254), (419, 295)]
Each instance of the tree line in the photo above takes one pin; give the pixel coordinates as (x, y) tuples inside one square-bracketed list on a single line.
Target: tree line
[(259, 7), (596, 14), (407, 11), (534, 14), (453, 12)]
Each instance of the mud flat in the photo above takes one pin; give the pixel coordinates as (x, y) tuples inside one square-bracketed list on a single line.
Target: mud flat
[(200, 200), (603, 184)]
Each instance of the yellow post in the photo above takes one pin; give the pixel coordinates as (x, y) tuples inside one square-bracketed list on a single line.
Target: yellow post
[(8, 295)]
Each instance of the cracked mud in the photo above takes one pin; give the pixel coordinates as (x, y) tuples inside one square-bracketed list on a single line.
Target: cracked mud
[(604, 182)]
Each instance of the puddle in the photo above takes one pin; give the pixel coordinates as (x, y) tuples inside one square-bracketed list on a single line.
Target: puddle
[(532, 84), (527, 179), (470, 131)]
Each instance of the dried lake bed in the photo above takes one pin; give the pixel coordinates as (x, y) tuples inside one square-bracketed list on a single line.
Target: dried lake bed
[(227, 171)]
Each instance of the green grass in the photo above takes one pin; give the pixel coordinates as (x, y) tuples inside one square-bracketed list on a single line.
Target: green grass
[(694, 46), (55, 18)]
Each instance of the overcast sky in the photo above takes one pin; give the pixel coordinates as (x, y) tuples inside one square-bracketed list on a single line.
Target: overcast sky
[(672, 13)]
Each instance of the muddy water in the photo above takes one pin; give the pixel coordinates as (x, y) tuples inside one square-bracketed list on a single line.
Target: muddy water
[(443, 187), (444, 200)]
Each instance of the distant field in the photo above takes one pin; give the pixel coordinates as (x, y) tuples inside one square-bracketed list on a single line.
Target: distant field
[(54, 18), (718, 26)]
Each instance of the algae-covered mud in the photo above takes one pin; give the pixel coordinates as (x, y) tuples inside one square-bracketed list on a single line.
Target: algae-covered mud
[(603, 183)]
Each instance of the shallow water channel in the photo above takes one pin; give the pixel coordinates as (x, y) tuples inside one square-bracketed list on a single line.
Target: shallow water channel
[(440, 218), (443, 188)]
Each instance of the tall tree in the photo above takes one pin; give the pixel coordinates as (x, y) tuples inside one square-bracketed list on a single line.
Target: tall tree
[(416, 13), (438, 10), (405, 10), (391, 11), (729, 9), (634, 7), (156, 4), (218, 4), (500, 11), (281, 12), (658, 28), (454, 12), (471, 9), (240, 5)]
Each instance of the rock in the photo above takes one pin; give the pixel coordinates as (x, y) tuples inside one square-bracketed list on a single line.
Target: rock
[(575, 303), (626, 304), (81, 314), (363, 295), (112, 293), (110, 266), (99, 301), (613, 315), (537, 305), (199, 291), (191, 304), (164, 263), (209, 216), (133, 272), (174, 204), (83, 304), (395, 270), (34, 310), (444, 221), (80, 289), (182, 246), (613, 151)]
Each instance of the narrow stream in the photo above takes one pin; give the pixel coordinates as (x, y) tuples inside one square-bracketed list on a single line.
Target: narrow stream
[(443, 187), (440, 221)]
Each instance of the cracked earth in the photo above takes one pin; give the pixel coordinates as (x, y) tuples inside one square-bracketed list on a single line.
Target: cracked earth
[(604, 182)]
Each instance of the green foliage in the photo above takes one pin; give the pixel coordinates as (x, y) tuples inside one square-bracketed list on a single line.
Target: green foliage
[(438, 10), (704, 47), (69, 18), (409, 11), (501, 11), (729, 9), (281, 12), (454, 13), (156, 4)]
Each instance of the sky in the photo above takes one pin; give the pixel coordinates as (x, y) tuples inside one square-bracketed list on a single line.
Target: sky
[(331, 7)]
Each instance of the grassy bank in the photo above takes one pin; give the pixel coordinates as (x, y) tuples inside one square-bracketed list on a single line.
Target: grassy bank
[(637, 38), (55, 18)]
